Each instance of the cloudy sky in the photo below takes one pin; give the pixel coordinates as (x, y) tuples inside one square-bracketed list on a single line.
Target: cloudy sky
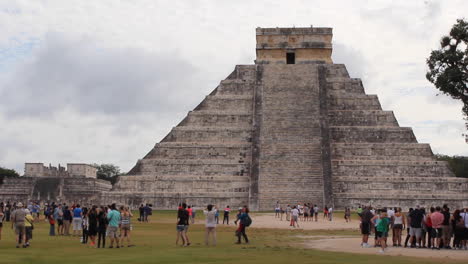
[(102, 81)]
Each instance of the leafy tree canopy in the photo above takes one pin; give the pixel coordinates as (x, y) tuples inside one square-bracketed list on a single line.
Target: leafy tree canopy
[(448, 66), (108, 172), (458, 164), (7, 173)]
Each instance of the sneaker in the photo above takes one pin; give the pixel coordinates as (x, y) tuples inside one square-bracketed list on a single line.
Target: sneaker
[(381, 251)]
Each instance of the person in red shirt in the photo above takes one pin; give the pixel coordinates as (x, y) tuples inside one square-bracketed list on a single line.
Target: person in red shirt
[(437, 218), (430, 239)]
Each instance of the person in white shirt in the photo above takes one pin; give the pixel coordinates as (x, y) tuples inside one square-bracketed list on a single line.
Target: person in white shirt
[(210, 224), (294, 217), (330, 213)]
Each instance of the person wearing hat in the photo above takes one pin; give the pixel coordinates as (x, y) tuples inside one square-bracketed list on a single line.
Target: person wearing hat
[(17, 223)]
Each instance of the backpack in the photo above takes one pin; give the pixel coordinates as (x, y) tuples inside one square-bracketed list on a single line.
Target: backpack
[(247, 221)]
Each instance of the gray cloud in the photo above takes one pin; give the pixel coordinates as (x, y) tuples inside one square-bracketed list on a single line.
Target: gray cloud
[(79, 74), (352, 58)]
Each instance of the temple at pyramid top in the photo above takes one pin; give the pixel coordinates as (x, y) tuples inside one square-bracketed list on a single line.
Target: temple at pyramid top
[(294, 45)]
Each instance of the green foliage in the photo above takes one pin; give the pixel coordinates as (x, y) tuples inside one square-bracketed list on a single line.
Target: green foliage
[(458, 164), (108, 172), (7, 173), (448, 66)]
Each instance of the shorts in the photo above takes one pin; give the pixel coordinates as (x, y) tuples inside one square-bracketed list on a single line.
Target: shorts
[(1, 224), (125, 227), (77, 223), (446, 232), (365, 228), (29, 232), (60, 222), (416, 232), (306, 214), (182, 228), (436, 233), (381, 234), (112, 231), (294, 218), (19, 228), (398, 226)]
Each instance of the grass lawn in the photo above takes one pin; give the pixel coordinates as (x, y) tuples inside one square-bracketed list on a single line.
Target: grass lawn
[(155, 243)]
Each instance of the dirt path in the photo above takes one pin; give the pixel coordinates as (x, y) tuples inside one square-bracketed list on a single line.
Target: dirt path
[(352, 245)]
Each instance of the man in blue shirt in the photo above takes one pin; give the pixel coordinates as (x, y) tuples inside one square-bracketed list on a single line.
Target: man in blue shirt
[(77, 220), (114, 220)]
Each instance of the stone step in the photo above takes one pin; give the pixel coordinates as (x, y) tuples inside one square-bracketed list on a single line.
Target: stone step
[(371, 134), (381, 151), (209, 134), (235, 88), (360, 102), (218, 118), (244, 72), (402, 178), (194, 168), (346, 86), (361, 118), (337, 70), (206, 151), (380, 168), (226, 103)]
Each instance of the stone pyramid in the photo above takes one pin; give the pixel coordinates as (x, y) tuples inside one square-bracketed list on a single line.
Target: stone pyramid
[(293, 128)]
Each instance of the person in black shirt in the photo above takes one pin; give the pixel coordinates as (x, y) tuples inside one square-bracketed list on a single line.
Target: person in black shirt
[(102, 227), (67, 219), (416, 218), (182, 225), (446, 229), (93, 225)]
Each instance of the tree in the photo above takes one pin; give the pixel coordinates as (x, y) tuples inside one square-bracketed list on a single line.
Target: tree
[(7, 173), (448, 66), (108, 172), (458, 164)]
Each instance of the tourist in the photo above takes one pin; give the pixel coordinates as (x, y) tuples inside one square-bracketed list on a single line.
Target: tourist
[(216, 215), (35, 211), (210, 225), (58, 216), (92, 225), (67, 220), (428, 224), (194, 213), (347, 214), (316, 212), (17, 218), (182, 225), (458, 226), (330, 213), (84, 226), (390, 214), (366, 225), (141, 210), (282, 213), (190, 212), (277, 209), (424, 228), (77, 220), (288, 213), (102, 227), (126, 227), (306, 213), (446, 228), (147, 212), (464, 215), (51, 220), (416, 219), (294, 217), (408, 221), (227, 210), (244, 221), (437, 218), (359, 210), (114, 219), (7, 211), (375, 222), (382, 230), (28, 228), (2, 216), (399, 223), (325, 212)]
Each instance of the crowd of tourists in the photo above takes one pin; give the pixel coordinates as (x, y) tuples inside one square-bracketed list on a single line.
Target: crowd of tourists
[(186, 215), (435, 228), (92, 225), (306, 213)]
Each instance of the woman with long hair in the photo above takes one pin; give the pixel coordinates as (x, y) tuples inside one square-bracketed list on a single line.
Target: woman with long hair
[(399, 223), (92, 225), (244, 222), (458, 226)]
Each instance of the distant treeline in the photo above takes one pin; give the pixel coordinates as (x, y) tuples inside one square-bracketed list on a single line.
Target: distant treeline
[(458, 164)]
